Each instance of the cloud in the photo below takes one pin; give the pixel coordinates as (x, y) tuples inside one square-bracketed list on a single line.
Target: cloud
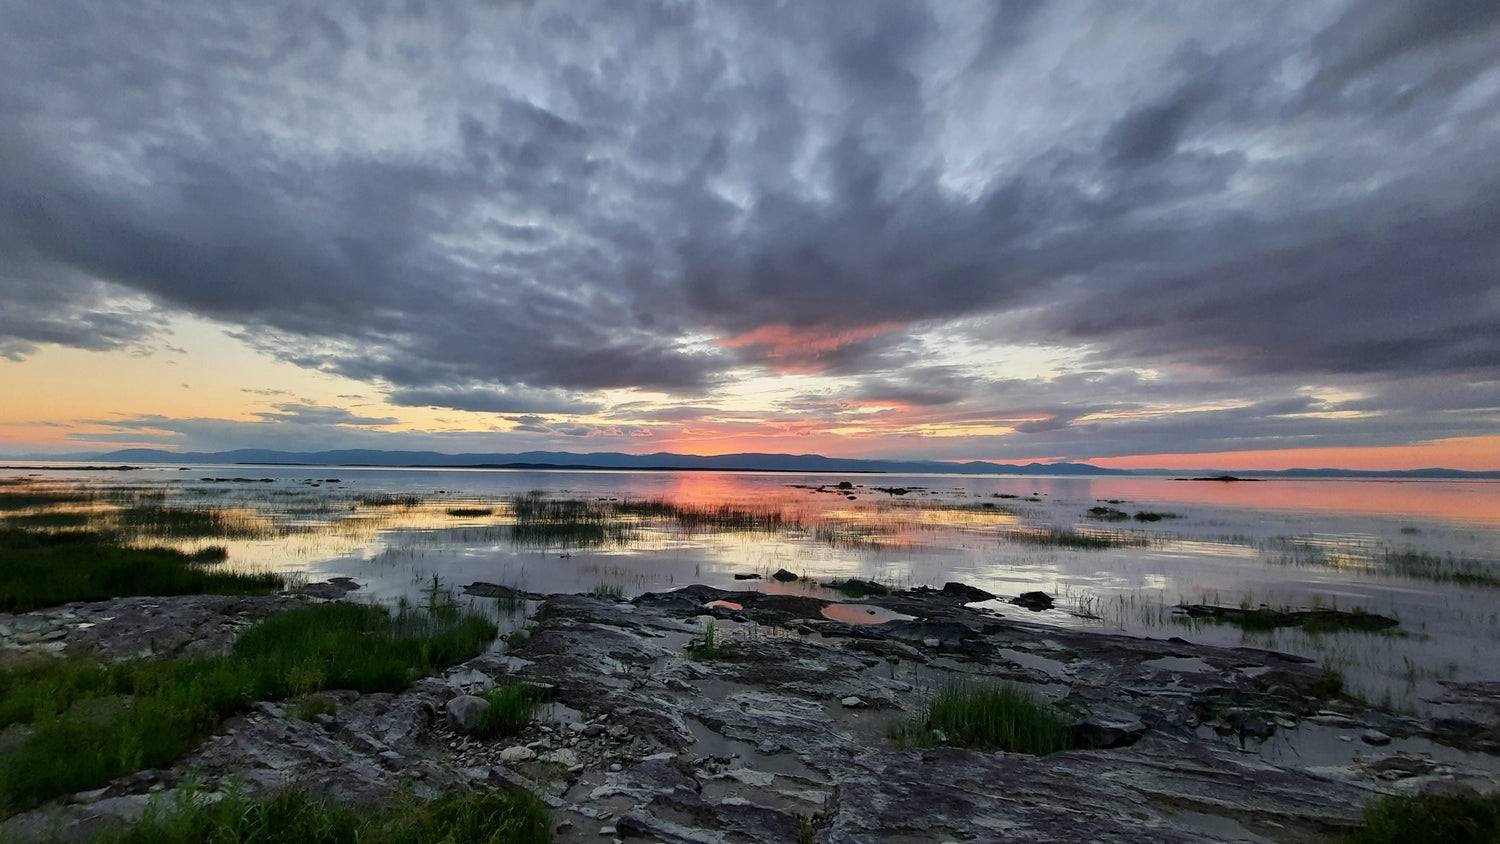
[(492, 400), (519, 208), (293, 413)]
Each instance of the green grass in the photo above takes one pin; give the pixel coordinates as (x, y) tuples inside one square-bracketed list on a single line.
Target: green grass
[(40, 569), (512, 706), (708, 647), (1330, 684), (608, 590), (988, 718), (1452, 819), (473, 818), (92, 723)]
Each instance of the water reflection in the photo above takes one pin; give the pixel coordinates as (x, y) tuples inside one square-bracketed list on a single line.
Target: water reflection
[(1374, 545)]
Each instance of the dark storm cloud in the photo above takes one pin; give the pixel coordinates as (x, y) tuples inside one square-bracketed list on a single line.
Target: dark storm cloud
[(510, 207), (1370, 35)]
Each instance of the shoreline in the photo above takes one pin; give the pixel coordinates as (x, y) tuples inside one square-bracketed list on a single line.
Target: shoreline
[(790, 725)]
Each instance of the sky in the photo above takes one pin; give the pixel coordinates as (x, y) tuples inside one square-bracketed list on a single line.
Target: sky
[(1165, 234)]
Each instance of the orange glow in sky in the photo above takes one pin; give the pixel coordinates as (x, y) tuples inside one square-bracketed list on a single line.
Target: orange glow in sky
[(1476, 454)]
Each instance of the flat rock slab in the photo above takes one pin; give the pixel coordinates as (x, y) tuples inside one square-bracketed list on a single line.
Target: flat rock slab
[(765, 738)]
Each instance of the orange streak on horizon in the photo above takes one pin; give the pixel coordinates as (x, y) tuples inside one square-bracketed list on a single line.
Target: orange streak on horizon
[(1475, 454)]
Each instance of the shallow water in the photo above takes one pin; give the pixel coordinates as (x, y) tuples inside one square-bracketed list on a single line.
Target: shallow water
[(1297, 543)]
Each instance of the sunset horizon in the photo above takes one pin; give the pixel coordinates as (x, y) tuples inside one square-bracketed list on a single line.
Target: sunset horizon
[(1138, 238)]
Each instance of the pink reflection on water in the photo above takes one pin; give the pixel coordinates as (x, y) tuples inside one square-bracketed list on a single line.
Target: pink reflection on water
[(1472, 502)]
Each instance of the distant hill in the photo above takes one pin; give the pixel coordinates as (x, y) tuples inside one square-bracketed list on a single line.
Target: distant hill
[(754, 462)]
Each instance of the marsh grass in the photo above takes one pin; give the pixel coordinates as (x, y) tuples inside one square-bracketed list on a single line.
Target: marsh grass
[(1442, 569), (470, 512), (91, 723), (1083, 540), (1452, 819), (512, 707), (544, 522), (188, 523), (386, 499), (1370, 557), (48, 520), (514, 817), (988, 718), (26, 496), (41, 569)]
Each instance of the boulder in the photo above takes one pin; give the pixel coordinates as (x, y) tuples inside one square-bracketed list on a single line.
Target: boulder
[(466, 712), (1034, 601)]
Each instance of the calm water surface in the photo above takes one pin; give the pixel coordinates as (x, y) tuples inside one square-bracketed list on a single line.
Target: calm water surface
[(1296, 543)]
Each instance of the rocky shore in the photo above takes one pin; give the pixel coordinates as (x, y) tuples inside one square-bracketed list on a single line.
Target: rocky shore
[(783, 734)]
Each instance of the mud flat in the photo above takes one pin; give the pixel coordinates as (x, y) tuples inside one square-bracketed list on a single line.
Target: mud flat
[(782, 734)]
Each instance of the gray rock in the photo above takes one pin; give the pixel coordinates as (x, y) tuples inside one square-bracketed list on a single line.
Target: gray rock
[(466, 712), (1107, 727), (852, 702), (1375, 738), (517, 753)]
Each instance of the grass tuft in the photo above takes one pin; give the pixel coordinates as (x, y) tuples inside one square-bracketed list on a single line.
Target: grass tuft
[(708, 647), (474, 818), (512, 706), (988, 718), (1452, 819), (1090, 540)]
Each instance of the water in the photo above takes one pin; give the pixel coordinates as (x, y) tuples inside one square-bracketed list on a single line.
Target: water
[(1300, 543)]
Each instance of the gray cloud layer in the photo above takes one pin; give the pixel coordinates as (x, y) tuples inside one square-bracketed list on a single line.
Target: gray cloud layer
[(509, 207)]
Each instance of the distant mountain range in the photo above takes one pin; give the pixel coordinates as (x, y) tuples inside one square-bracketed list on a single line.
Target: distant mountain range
[(750, 462)]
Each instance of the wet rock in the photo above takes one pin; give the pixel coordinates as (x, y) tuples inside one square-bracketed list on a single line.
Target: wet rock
[(852, 702), (965, 592), (747, 576), (330, 590), (1034, 601), (1107, 727), (466, 712), (1375, 738), (784, 576)]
